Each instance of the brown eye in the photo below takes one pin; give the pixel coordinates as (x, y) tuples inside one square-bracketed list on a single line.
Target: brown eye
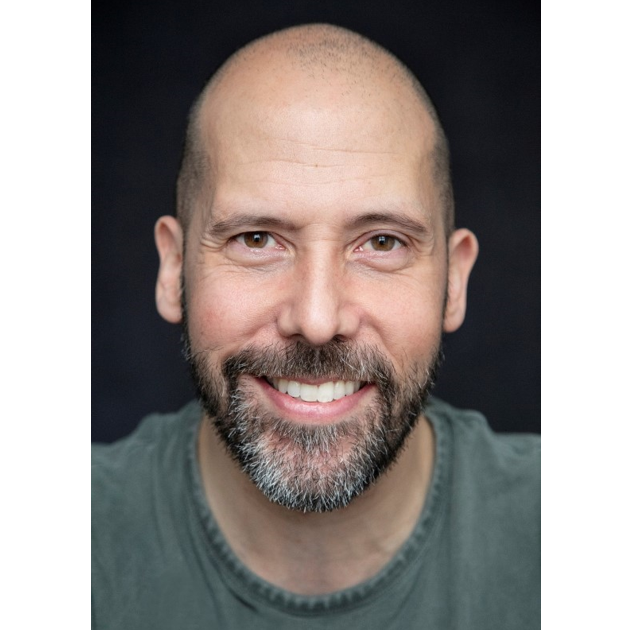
[(383, 243), (255, 240)]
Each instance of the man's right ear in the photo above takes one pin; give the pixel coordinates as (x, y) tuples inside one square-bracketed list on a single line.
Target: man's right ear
[(170, 245)]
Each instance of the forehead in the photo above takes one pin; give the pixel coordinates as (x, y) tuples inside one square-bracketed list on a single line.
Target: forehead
[(277, 134), (272, 86)]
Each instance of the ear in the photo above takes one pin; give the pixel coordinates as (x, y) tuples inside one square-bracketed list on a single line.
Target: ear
[(463, 248), (169, 242)]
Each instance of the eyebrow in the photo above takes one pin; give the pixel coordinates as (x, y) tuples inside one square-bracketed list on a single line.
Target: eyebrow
[(261, 221), (227, 226), (402, 221)]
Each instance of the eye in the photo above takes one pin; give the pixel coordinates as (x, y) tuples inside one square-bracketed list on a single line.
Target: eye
[(382, 243), (256, 240)]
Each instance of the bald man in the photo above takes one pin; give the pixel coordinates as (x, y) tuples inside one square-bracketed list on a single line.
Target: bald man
[(314, 266)]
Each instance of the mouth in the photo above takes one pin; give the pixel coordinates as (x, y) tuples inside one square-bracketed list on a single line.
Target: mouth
[(325, 392)]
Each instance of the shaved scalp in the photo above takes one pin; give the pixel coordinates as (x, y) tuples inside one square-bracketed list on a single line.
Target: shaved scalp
[(316, 49)]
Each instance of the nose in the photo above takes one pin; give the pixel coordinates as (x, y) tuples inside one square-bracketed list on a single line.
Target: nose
[(318, 307)]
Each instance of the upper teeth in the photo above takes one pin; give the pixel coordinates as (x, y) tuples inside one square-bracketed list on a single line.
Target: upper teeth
[(326, 392)]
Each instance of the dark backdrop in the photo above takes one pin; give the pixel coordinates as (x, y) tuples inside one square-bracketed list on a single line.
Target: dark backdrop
[(480, 63)]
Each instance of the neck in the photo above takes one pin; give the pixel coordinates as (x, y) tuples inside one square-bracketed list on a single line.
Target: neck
[(316, 553)]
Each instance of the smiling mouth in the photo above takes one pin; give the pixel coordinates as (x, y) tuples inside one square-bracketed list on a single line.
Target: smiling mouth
[(323, 393)]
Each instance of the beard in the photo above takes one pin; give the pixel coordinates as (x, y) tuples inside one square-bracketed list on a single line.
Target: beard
[(305, 467)]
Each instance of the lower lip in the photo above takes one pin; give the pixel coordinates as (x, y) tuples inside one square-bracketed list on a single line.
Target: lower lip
[(313, 412)]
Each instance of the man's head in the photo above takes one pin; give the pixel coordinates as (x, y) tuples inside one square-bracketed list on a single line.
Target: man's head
[(320, 265)]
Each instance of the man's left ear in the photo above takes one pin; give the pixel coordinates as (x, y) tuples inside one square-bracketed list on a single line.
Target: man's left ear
[(463, 248)]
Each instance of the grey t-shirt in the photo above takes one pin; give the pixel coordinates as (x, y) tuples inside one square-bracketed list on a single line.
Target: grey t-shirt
[(472, 561)]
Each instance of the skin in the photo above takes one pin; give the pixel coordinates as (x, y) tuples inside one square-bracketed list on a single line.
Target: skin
[(318, 163)]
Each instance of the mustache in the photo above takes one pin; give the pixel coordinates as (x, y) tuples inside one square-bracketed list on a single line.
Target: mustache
[(336, 360)]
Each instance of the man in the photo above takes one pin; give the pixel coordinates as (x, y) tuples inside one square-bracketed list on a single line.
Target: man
[(314, 265)]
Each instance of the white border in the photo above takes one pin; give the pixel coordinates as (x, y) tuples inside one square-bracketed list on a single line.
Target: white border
[(45, 258), (586, 315)]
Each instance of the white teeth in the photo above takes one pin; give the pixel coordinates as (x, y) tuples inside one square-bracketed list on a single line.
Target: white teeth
[(293, 389), (340, 390), (308, 393), (326, 392)]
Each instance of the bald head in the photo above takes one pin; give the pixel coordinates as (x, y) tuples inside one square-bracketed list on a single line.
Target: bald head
[(318, 64)]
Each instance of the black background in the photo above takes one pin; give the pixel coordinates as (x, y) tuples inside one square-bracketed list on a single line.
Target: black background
[(480, 63)]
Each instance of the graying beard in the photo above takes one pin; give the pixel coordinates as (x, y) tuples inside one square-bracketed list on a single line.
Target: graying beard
[(291, 474), (300, 466), (303, 468)]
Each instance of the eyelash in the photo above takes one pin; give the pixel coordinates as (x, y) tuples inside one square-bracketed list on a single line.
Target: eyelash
[(240, 238), (397, 245), (264, 236)]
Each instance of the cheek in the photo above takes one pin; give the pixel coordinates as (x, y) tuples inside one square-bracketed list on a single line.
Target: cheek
[(399, 313), (407, 317), (226, 311)]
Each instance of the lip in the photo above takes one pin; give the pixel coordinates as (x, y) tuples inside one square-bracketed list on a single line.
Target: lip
[(313, 412)]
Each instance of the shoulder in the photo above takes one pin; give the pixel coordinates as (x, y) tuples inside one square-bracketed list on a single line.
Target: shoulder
[(129, 476), (492, 511), (495, 472), (476, 444), (136, 496), (155, 436)]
